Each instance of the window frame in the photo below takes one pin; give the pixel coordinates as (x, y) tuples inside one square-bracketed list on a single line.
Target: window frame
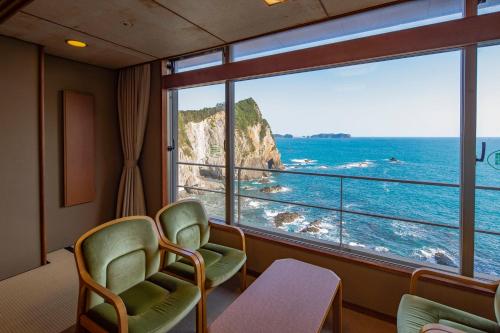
[(480, 31)]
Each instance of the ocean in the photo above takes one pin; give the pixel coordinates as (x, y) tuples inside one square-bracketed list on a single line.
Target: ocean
[(418, 159)]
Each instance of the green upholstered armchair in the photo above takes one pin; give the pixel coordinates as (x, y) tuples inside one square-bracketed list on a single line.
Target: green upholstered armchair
[(186, 224), (416, 312), (121, 287)]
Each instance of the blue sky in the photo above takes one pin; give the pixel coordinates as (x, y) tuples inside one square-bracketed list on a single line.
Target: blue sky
[(415, 97)]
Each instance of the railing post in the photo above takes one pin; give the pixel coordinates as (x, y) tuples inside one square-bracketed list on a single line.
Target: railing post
[(341, 210)]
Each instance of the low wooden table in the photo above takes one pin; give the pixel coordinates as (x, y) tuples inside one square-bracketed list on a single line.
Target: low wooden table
[(291, 296)]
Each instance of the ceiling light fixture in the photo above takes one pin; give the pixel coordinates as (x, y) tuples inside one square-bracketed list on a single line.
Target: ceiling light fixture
[(273, 2), (76, 43)]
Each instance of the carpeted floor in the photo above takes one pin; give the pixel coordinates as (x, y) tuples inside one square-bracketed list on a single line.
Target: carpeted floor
[(44, 300)]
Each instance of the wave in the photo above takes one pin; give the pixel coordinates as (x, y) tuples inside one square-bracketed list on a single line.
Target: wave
[(256, 204), (271, 213), (381, 249), (406, 230), (436, 255), (303, 161), (352, 165), (356, 244)]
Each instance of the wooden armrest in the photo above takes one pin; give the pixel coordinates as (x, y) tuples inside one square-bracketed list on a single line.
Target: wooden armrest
[(109, 296), (193, 256), (231, 229), (417, 274), (438, 328)]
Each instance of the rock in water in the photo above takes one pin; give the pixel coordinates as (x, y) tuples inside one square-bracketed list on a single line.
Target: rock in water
[(313, 227), (272, 189), (442, 258), (285, 218)]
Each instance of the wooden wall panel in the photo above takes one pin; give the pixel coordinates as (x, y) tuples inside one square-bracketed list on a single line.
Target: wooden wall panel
[(79, 148)]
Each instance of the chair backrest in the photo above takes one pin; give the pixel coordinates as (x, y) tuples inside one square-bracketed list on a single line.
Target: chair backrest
[(119, 254), (184, 223)]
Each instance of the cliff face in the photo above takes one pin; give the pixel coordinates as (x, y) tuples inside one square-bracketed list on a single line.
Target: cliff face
[(201, 140)]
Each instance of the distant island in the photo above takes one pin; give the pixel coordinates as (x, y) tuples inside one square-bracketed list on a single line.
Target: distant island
[(331, 135), (317, 136), (288, 136)]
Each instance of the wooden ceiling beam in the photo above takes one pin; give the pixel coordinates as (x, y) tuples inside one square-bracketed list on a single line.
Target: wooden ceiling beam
[(10, 7)]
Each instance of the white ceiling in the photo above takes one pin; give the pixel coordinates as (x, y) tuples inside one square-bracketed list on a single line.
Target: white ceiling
[(126, 32)]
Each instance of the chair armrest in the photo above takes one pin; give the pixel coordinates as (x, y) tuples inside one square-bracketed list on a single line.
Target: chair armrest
[(193, 256), (231, 229), (438, 328), (109, 296), (417, 274)]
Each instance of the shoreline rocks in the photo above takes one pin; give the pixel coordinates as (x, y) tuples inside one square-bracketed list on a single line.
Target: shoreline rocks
[(285, 218), (313, 227), (272, 189)]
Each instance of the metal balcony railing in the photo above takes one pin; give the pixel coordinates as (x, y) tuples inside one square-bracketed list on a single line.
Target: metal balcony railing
[(340, 209)]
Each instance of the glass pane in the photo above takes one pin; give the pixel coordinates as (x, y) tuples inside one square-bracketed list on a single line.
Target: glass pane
[(384, 238), (198, 62), (488, 6), (391, 18), (488, 171), (354, 144), (200, 152)]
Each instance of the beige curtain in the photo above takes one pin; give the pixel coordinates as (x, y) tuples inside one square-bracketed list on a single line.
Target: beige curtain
[(133, 102)]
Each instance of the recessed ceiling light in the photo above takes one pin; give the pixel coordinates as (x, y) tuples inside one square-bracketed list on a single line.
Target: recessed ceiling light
[(273, 2), (76, 43)]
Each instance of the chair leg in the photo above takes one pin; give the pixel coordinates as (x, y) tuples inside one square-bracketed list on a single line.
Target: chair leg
[(80, 307), (201, 313), (243, 273)]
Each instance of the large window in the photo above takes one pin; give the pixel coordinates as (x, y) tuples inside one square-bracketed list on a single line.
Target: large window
[(488, 171), (369, 155), (315, 133)]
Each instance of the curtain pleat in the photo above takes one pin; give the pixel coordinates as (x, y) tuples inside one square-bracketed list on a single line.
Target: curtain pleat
[(133, 103)]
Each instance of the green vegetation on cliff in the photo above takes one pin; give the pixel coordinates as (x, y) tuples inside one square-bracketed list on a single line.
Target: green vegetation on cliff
[(247, 114)]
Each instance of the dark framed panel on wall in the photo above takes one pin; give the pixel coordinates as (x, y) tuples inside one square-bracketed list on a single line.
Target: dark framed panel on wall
[(79, 148)]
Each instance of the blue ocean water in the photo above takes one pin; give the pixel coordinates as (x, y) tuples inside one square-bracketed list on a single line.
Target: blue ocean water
[(420, 159)]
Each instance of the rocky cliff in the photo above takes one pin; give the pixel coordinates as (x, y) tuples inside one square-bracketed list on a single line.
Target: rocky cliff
[(201, 140)]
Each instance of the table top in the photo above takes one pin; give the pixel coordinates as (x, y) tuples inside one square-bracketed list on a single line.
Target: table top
[(290, 296)]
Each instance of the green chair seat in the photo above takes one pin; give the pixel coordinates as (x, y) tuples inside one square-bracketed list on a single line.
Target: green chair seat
[(414, 312), (221, 263), (154, 305)]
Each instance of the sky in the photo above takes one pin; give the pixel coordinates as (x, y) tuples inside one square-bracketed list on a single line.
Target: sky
[(409, 97)]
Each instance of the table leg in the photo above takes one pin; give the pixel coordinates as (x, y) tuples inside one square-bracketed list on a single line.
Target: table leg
[(337, 311)]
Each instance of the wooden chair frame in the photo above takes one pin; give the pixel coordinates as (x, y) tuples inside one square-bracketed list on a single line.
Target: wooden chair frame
[(215, 225), (86, 282), (443, 276)]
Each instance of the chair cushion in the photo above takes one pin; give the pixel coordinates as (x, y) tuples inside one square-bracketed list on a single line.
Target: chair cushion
[(414, 312), (154, 305), (221, 263)]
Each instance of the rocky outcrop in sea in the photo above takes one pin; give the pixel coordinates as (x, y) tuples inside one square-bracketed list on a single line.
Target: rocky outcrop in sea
[(202, 137), (285, 218)]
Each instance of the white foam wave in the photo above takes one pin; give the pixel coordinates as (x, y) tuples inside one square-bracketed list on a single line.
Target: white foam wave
[(352, 165), (356, 244), (430, 254), (303, 161), (406, 230), (381, 249), (271, 213), (255, 204)]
